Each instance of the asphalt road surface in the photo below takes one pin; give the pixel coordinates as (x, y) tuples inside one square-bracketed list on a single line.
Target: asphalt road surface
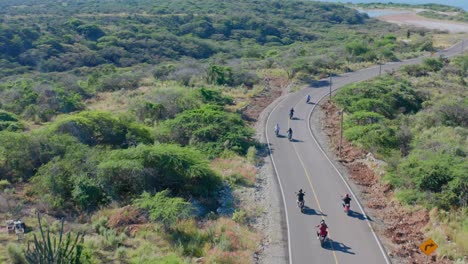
[(301, 163)]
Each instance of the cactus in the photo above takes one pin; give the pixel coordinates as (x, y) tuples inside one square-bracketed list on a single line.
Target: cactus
[(48, 250)]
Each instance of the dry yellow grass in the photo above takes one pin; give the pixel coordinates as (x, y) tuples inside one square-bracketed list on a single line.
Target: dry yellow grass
[(442, 41), (235, 243), (450, 231), (235, 166)]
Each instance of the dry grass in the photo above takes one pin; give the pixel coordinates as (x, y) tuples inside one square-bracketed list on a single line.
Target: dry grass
[(235, 168), (233, 243), (442, 41), (450, 231), (116, 102)]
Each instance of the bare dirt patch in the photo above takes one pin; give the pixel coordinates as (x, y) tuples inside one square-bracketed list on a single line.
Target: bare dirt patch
[(400, 226), (274, 87)]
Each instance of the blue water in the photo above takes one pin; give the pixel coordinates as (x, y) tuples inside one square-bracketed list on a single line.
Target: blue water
[(458, 3)]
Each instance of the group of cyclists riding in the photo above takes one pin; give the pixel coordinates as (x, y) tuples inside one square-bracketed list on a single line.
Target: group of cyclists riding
[(289, 132), (322, 227)]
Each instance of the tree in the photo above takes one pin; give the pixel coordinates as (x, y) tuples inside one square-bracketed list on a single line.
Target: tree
[(219, 75)]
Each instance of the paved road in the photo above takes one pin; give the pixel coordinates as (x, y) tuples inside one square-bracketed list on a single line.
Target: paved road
[(302, 164)]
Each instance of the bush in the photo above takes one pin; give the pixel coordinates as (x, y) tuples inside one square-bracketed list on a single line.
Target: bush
[(100, 224), (240, 217), (95, 127), (390, 96), (126, 173), (415, 70), (63, 250), (22, 154), (4, 184), (15, 254), (208, 128), (87, 193), (110, 240), (163, 208), (375, 137), (362, 118), (252, 155), (433, 64)]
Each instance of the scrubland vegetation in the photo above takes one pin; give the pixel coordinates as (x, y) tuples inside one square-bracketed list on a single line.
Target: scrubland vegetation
[(113, 110), (416, 119)]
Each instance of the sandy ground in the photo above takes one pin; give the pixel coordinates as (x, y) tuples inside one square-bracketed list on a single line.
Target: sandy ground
[(411, 18)]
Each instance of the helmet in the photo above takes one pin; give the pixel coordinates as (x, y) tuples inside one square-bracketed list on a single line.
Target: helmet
[(347, 195), (300, 190)]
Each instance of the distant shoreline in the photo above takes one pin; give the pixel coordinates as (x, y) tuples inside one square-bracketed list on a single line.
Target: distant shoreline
[(411, 18)]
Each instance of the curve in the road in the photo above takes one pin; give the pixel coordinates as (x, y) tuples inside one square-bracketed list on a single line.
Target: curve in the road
[(299, 224)]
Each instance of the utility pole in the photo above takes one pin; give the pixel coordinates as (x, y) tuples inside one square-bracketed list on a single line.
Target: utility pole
[(341, 131), (330, 85)]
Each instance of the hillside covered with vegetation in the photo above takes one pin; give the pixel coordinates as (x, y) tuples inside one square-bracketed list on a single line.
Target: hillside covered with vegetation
[(112, 110), (416, 120)]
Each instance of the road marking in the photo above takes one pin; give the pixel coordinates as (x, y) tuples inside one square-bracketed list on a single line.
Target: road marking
[(326, 156), (312, 187), (279, 180), (382, 250)]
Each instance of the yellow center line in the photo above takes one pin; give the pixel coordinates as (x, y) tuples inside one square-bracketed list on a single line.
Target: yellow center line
[(313, 191)]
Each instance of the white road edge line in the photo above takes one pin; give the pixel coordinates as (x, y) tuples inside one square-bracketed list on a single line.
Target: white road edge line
[(382, 250), (279, 180), (384, 253), (379, 243)]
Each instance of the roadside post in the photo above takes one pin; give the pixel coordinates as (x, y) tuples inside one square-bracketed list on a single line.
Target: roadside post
[(341, 131), (428, 247), (330, 85)]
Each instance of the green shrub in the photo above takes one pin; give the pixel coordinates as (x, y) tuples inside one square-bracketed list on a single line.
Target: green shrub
[(362, 118), (121, 254), (433, 64), (371, 105), (100, 224), (415, 70), (396, 96), (208, 128), (252, 155), (163, 208), (95, 127), (182, 170), (240, 216), (87, 193), (4, 184), (15, 254), (49, 249), (375, 137), (410, 197), (110, 240)]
